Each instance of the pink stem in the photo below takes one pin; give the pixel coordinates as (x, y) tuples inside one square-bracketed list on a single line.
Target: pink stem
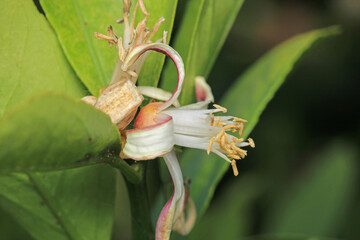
[(168, 213)]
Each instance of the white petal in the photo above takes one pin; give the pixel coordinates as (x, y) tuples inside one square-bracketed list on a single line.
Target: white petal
[(197, 106), (149, 143), (157, 93), (191, 141)]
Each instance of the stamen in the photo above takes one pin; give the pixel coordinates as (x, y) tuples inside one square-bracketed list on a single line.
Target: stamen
[(140, 29), (127, 5), (142, 7), (211, 142), (121, 49), (220, 107), (241, 128), (251, 142), (165, 34), (235, 170), (212, 119), (228, 127), (236, 119), (233, 156), (217, 122), (104, 37), (218, 136), (156, 27), (132, 24)]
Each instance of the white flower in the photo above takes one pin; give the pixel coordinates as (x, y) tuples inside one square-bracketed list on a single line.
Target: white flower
[(158, 128)]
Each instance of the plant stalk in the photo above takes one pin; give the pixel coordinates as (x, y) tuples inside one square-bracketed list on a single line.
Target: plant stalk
[(140, 211)]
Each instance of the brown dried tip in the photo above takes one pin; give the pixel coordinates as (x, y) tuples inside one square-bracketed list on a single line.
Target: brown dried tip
[(127, 5), (120, 20), (120, 101)]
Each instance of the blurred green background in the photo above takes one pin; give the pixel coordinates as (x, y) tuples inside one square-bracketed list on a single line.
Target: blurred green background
[(302, 179)]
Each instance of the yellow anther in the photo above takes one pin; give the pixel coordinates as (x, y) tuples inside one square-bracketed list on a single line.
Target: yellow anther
[(241, 152), (235, 170), (241, 128), (228, 127), (234, 156), (251, 142), (224, 110), (236, 119), (211, 142), (212, 119), (227, 139), (217, 122), (218, 136), (237, 139)]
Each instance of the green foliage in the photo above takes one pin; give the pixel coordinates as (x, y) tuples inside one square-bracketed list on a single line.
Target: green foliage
[(247, 98), (31, 57), (233, 204), (10, 229), (72, 204), (202, 33), (316, 205), (53, 125), (91, 58)]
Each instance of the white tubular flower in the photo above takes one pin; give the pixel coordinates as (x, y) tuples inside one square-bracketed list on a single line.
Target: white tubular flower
[(157, 128), (192, 126)]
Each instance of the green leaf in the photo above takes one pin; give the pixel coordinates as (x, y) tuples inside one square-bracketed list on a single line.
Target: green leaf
[(234, 206), (317, 203), (72, 204), (247, 99), (10, 229), (287, 237), (202, 32), (54, 132), (75, 22), (31, 59)]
